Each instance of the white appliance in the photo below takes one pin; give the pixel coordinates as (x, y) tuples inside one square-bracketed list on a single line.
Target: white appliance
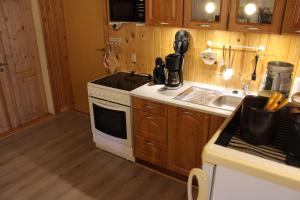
[(217, 182), (110, 112)]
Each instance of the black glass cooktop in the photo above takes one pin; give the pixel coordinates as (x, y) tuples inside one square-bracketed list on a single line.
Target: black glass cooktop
[(124, 80)]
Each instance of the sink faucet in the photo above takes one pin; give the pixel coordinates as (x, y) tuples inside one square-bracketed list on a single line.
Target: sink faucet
[(245, 89)]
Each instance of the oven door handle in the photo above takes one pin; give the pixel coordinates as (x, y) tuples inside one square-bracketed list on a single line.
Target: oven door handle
[(109, 107)]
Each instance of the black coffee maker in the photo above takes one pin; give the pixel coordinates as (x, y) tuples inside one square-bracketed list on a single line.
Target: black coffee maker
[(175, 61)]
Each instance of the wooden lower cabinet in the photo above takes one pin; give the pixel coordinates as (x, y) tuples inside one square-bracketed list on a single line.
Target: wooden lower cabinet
[(150, 151), (187, 135), (171, 137), (214, 124)]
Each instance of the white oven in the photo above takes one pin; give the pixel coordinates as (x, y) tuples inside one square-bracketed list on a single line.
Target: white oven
[(111, 127)]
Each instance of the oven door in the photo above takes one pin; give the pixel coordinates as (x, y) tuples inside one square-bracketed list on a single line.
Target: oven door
[(111, 120)]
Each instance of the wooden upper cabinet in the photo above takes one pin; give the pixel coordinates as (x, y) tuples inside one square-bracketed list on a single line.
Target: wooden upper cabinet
[(187, 135), (291, 22), (256, 16), (206, 14), (164, 12)]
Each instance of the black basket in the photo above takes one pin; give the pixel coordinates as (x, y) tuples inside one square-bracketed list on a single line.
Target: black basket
[(257, 126)]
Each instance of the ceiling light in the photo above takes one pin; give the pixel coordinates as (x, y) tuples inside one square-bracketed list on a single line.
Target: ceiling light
[(210, 7), (250, 9)]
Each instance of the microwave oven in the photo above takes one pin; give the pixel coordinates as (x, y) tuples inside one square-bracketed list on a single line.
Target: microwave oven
[(126, 11)]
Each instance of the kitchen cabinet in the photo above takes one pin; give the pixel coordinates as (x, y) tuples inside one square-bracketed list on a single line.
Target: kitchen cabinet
[(150, 131), (291, 22), (187, 135), (150, 126), (258, 16), (164, 13), (205, 14), (171, 137), (214, 124)]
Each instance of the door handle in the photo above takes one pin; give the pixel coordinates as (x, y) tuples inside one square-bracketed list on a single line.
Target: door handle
[(2, 65), (202, 180)]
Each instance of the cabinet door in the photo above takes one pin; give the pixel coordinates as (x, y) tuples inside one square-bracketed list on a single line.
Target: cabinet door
[(187, 135), (164, 13), (206, 14), (150, 151), (256, 16), (214, 124), (291, 23), (150, 126)]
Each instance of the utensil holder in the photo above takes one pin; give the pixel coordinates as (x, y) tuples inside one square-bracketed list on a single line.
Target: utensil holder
[(257, 126)]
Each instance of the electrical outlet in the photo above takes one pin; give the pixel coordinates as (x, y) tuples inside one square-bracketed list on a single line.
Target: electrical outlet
[(133, 58)]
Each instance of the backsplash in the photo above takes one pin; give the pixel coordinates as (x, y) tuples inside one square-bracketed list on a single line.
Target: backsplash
[(151, 42)]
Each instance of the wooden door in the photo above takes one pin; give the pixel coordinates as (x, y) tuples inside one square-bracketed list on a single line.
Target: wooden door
[(21, 82), (258, 16), (205, 14), (187, 135), (86, 36), (291, 22), (164, 13)]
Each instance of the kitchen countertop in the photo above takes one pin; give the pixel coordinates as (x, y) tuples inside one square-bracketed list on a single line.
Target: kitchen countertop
[(159, 94), (259, 167)]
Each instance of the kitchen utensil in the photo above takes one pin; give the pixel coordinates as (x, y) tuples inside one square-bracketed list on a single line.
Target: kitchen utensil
[(228, 72), (222, 61), (159, 71), (181, 43), (257, 125), (208, 56), (278, 77), (253, 77)]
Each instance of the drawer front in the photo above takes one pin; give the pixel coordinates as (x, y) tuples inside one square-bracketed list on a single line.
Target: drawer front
[(150, 106), (150, 126), (150, 151)]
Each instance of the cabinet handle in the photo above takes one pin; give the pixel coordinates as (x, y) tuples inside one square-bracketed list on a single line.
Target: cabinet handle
[(149, 143), (148, 117), (164, 23), (148, 107), (204, 25), (187, 113), (253, 28), (298, 31)]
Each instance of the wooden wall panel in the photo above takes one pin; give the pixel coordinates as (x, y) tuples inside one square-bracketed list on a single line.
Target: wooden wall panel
[(151, 42), (57, 54)]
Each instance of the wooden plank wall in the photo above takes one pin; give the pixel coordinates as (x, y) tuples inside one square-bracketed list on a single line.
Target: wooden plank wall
[(151, 42), (57, 53)]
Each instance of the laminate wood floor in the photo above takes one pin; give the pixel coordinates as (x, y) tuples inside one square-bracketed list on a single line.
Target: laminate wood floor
[(57, 159)]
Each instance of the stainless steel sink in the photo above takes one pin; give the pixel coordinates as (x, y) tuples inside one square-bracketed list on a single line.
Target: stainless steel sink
[(209, 97), (227, 102)]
